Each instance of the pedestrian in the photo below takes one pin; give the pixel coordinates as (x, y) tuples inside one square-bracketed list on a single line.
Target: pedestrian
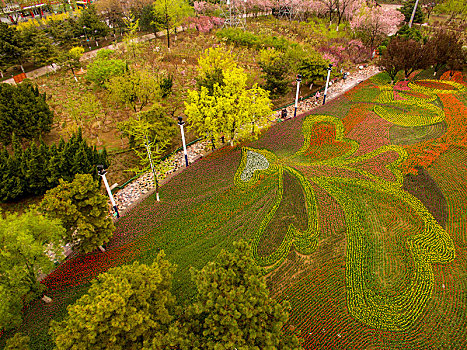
[(318, 95), (284, 113)]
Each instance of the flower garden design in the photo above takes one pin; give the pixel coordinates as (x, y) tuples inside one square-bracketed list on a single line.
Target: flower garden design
[(358, 217)]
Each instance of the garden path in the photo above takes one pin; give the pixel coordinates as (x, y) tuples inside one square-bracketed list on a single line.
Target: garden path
[(143, 186)]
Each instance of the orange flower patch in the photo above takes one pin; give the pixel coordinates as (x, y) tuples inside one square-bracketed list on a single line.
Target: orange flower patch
[(356, 115), (425, 153)]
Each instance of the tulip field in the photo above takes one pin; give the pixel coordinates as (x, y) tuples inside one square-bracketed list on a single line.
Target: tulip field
[(357, 210)]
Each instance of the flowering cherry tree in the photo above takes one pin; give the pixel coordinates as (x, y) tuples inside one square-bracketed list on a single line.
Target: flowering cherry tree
[(373, 23)]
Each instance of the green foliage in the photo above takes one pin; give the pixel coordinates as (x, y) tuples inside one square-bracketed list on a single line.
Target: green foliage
[(232, 109), (39, 47), (17, 342), (23, 241), (104, 67), (166, 85), (234, 309), (153, 123), (23, 111), (94, 26), (36, 169), (128, 307), (70, 58), (169, 14), (241, 37), (135, 89), (410, 33), (10, 44), (276, 68), (407, 10), (211, 67), (83, 211), (313, 67)]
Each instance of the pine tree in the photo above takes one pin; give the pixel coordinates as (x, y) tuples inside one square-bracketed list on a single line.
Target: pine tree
[(234, 309)]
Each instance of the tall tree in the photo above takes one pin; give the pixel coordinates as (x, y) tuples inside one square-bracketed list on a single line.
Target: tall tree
[(407, 9), (24, 111), (11, 46), (374, 23), (276, 68), (83, 211), (313, 67), (135, 89), (70, 59), (24, 240), (231, 110), (233, 309), (127, 307), (444, 47), (170, 13)]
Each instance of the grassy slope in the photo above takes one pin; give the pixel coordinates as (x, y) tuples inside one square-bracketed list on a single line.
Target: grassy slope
[(201, 212)]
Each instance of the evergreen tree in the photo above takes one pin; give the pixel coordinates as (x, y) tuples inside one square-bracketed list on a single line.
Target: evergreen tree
[(125, 308), (24, 111), (13, 184), (83, 210), (234, 309), (407, 10)]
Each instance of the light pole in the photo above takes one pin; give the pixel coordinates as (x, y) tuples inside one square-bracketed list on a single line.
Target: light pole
[(327, 83), (102, 172), (181, 123), (299, 79), (413, 14), (147, 144)]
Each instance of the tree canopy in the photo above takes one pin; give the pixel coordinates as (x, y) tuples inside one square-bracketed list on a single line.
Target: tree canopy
[(23, 111), (234, 309), (83, 211), (24, 240), (127, 307), (170, 13)]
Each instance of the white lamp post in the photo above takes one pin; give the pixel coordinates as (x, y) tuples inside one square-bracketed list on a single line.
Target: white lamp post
[(102, 172), (327, 83), (299, 79), (181, 123), (147, 144)]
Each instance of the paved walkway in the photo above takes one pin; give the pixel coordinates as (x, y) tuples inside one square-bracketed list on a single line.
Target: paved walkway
[(143, 186)]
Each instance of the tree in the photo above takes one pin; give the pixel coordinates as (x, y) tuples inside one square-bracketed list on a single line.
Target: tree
[(70, 59), (401, 54), (24, 111), (313, 67), (374, 23), (24, 240), (127, 307), (83, 211), (444, 48), (275, 67), (104, 67), (233, 309), (230, 110), (211, 67), (170, 13), (38, 46), (153, 130), (456, 8), (17, 342), (135, 89), (407, 10), (91, 24), (112, 11), (10, 44)]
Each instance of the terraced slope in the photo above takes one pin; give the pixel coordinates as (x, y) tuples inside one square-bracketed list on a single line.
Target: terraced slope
[(357, 211)]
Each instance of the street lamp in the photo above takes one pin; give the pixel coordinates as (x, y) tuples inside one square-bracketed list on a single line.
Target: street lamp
[(181, 123), (147, 144), (299, 79), (102, 172), (327, 83)]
